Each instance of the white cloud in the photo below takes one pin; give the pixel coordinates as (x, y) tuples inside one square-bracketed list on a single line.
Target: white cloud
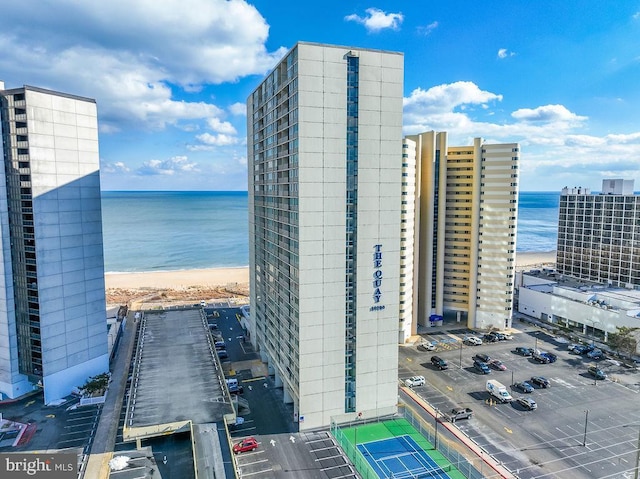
[(218, 140), (547, 114), (554, 142), (177, 164), (377, 20), (446, 97), (238, 109), (504, 53), (116, 167), (221, 126), (624, 138), (426, 30), (636, 16), (129, 54)]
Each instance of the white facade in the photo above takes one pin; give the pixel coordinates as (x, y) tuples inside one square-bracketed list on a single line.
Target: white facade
[(324, 149), (598, 234), (589, 309), (52, 244), (465, 229), (409, 240)]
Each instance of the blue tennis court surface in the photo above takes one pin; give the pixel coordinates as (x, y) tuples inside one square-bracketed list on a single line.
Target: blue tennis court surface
[(400, 458)]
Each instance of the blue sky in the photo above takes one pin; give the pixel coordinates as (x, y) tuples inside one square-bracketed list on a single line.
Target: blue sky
[(171, 77)]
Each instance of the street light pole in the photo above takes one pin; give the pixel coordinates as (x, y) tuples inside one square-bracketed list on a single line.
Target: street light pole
[(435, 442), (461, 354), (586, 419)]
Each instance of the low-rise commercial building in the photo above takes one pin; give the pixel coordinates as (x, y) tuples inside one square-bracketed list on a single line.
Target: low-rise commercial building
[(592, 309)]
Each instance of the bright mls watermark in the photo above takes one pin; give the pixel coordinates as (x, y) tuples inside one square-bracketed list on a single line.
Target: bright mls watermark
[(50, 466)]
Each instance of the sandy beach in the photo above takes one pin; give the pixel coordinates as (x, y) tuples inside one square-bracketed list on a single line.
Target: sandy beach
[(182, 279), (220, 277)]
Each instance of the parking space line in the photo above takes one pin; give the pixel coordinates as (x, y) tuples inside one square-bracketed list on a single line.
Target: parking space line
[(320, 459), (256, 472), (245, 464), (333, 467)]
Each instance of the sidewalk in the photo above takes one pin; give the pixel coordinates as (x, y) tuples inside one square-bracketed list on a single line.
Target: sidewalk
[(105, 437), (464, 439)]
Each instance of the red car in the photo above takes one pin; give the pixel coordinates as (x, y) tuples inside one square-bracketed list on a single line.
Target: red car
[(248, 444)]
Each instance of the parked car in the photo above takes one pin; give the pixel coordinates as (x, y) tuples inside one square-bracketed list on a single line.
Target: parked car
[(579, 349), (439, 362), (484, 358), (222, 354), (523, 386), (597, 373), (248, 444), (595, 354), (523, 351), (481, 367), (203, 304), (550, 356), (497, 364), (501, 336), (527, 403), (588, 348), (472, 340), (540, 357), (540, 381), (415, 381), (239, 389), (460, 413), (572, 346), (490, 338), (426, 346)]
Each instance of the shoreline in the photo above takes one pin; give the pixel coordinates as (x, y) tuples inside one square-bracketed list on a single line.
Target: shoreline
[(185, 279)]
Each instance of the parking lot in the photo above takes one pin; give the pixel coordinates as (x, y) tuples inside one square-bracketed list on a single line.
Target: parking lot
[(65, 426), (281, 452), (582, 428)]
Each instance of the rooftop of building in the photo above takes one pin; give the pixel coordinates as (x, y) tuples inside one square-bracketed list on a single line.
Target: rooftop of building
[(11, 91), (176, 375), (593, 293)]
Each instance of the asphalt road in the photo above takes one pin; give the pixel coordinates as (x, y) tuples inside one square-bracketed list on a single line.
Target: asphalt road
[(549, 442), (282, 452)]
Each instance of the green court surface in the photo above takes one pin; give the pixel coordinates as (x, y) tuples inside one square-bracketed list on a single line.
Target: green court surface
[(364, 433)]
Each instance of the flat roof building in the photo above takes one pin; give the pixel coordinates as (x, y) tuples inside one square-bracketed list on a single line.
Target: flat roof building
[(53, 330), (325, 173), (599, 234), (461, 216)]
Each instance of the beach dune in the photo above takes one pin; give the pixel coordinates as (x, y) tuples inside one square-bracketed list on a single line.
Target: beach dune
[(213, 277)]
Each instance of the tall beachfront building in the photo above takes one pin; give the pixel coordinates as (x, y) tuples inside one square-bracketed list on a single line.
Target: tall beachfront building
[(599, 234), (52, 296), (325, 170), (464, 231)]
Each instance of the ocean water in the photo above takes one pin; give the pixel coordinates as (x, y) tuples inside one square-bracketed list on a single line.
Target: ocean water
[(174, 230), (537, 221)]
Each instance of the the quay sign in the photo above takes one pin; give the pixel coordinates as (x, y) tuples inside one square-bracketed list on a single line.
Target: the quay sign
[(377, 278)]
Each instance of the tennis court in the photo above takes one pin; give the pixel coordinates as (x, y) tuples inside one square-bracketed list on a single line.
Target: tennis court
[(393, 449), (401, 457)]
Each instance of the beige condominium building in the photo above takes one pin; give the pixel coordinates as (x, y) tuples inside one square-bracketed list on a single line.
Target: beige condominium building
[(599, 234), (460, 213), (52, 298), (324, 149)]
